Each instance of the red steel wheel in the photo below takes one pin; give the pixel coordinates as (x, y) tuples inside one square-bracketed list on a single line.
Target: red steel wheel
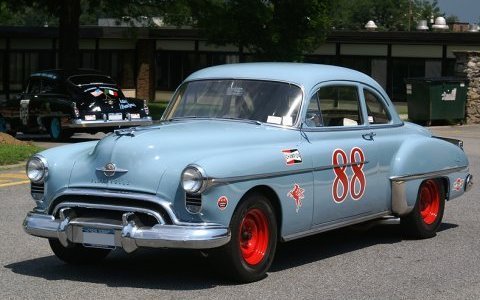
[(426, 216), (250, 252), (429, 201), (254, 236)]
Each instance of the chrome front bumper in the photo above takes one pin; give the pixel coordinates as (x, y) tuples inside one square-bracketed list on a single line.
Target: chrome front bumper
[(79, 123), (126, 234)]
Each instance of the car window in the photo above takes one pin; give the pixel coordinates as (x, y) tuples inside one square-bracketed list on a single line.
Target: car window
[(49, 85), (377, 112), (336, 105), (34, 86)]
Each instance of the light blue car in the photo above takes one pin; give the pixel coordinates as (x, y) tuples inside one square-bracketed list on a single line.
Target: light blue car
[(247, 156)]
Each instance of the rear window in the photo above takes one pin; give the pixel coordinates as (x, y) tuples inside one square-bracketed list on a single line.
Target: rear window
[(90, 79)]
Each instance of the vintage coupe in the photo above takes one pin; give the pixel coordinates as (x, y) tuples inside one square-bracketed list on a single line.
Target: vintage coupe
[(246, 156), (64, 102)]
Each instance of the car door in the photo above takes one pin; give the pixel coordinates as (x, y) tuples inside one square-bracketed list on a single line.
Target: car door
[(27, 102), (345, 155), (388, 133)]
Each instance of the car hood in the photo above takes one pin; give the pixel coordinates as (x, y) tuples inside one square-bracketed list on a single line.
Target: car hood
[(144, 155)]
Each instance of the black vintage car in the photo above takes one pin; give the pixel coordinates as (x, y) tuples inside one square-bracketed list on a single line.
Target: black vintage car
[(62, 103)]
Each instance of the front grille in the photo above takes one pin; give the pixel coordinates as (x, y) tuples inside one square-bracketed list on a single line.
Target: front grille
[(113, 201), (193, 202), (37, 190)]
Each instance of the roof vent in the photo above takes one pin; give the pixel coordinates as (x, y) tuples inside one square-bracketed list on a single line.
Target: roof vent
[(440, 24), (422, 25), (473, 28), (371, 26)]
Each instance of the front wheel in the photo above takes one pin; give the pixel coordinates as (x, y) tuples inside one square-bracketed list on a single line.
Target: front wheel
[(426, 216), (250, 252), (77, 254)]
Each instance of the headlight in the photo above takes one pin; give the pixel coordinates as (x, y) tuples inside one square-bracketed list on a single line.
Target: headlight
[(37, 169), (193, 179)]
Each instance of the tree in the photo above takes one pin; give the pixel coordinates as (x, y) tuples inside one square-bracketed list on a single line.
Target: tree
[(68, 14), (279, 30)]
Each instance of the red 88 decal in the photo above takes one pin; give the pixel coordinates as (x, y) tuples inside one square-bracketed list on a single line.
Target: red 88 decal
[(341, 184)]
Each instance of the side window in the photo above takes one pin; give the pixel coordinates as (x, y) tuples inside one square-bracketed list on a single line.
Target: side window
[(49, 85), (377, 112), (339, 105), (34, 86)]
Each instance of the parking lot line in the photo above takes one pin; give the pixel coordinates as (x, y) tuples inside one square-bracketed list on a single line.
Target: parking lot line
[(13, 175), (14, 183)]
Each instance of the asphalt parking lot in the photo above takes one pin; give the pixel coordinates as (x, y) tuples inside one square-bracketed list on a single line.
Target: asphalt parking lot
[(378, 263)]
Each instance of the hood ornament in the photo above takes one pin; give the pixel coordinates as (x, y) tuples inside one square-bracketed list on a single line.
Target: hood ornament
[(126, 131), (111, 169)]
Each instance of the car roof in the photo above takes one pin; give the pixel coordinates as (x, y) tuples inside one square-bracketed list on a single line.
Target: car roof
[(60, 73), (302, 74)]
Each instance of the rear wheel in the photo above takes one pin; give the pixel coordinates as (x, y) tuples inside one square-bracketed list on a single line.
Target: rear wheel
[(77, 254), (250, 252), (57, 133), (427, 214)]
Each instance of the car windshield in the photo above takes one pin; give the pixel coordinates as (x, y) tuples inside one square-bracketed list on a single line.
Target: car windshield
[(265, 101)]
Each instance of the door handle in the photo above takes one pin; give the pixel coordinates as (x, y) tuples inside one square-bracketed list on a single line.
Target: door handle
[(368, 136)]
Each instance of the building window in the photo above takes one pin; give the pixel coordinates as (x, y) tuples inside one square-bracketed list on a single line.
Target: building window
[(119, 64)]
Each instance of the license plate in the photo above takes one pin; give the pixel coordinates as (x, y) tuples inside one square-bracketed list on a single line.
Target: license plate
[(98, 237), (115, 117), (90, 118)]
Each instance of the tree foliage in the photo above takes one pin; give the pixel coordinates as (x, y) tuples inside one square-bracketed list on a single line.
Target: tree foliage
[(391, 15), (281, 30)]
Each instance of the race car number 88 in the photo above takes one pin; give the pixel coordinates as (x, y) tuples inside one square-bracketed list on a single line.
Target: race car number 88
[(341, 184)]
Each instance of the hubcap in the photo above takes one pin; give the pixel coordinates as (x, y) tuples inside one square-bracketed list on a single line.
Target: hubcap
[(429, 201), (55, 128), (254, 236)]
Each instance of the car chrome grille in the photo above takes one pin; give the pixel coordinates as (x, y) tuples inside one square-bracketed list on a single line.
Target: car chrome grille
[(193, 203), (37, 190)]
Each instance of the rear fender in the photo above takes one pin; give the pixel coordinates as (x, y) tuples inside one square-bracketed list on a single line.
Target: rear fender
[(419, 159)]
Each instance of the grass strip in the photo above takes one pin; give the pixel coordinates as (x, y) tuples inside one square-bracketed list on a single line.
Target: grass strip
[(12, 154)]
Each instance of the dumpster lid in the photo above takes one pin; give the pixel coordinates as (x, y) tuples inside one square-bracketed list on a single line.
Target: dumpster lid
[(436, 79)]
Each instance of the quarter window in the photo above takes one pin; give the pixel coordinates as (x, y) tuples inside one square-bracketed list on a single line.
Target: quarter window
[(377, 112), (336, 105)]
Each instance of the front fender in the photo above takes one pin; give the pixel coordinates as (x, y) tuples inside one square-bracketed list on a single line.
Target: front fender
[(60, 162)]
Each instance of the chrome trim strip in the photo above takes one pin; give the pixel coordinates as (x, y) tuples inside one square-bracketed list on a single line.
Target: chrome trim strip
[(152, 213), (468, 182), (227, 180), (323, 228), (78, 123), (428, 174)]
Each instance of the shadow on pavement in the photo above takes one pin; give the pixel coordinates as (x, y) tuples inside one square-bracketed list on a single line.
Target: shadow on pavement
[(188, 270)]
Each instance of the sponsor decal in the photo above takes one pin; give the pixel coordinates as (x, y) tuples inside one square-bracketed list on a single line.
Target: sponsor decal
[(222, 202), (96, 93), (342, 184), (458, 184), (113, 93), (297, 194), (292, 156)]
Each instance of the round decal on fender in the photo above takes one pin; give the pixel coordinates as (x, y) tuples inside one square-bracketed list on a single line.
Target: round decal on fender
[(222, 202)]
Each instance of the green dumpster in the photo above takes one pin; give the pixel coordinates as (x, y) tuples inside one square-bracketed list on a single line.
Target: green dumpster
[(440, 98)]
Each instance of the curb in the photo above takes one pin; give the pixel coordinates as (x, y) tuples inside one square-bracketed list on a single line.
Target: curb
[(15, 166)]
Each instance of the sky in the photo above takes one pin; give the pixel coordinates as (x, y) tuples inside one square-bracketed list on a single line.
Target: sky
[(465, 10)]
